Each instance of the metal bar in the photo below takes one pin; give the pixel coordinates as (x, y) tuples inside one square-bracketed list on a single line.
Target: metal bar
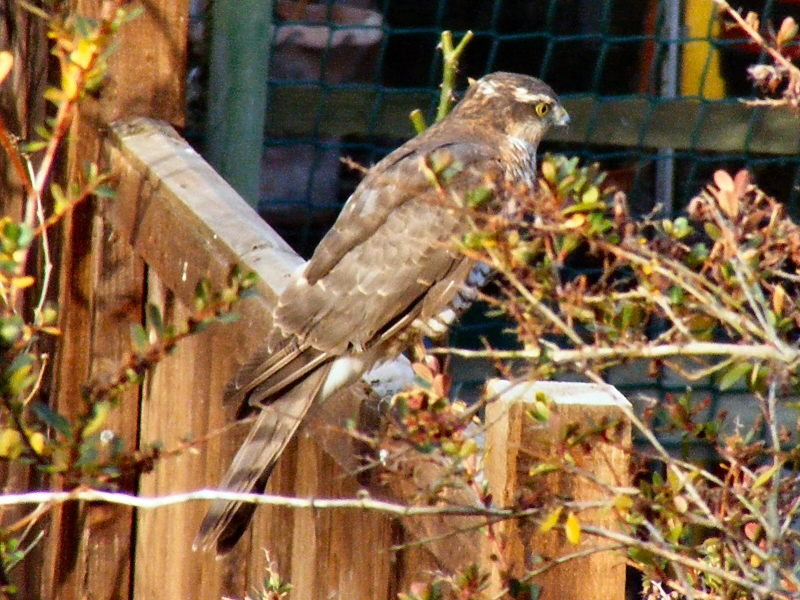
[(665, 165), (239, 70)]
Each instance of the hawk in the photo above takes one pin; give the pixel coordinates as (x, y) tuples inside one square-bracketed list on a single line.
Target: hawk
[(386, 274)]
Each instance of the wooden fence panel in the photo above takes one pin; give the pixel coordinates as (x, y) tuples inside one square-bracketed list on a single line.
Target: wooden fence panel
[(518, 441), (180, 400), (179, 220), (101, 284), (169, 188)]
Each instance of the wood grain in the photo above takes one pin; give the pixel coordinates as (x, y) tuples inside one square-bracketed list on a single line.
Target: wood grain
[(517, 441)]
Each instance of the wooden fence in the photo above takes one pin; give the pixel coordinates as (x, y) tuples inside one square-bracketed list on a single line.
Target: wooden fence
[(174, 221)]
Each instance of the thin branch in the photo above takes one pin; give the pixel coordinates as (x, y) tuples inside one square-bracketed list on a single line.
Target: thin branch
[(765, 352), (756, 36)]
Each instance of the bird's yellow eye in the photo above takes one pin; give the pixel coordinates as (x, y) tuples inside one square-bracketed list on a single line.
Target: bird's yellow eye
[(542, 109)]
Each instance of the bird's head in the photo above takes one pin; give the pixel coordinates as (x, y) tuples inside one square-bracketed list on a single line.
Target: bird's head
[(518, 105)]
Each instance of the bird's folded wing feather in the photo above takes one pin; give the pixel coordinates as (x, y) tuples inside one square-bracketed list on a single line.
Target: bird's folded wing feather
[(375, 270)]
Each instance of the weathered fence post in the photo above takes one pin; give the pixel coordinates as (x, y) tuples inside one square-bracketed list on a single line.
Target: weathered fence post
[(516, 441), (101, 288)]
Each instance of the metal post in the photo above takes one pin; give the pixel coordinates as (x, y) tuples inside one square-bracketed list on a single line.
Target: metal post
[(239, 70), (665, 166)]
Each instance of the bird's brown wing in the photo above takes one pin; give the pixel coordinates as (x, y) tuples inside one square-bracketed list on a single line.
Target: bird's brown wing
[(399, 178), (392, 243)]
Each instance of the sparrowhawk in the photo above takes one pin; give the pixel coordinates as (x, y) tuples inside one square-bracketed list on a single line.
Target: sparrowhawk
[(387, 273)]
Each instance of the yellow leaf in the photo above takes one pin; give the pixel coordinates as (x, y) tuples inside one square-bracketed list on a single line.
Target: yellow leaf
[(778, 299), (83, 54), (23, 282), (551, 520), (69, 82), (37, 442), (549, 171), (573, 529), (6, 62), (590, 196), (766, 476), (10, 443), (468, 448), (623, 503), (755, 561), (675, 481), (575, 221), (99, 415)]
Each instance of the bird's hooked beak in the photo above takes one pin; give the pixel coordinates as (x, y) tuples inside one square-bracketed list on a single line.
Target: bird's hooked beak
[(559, 116)]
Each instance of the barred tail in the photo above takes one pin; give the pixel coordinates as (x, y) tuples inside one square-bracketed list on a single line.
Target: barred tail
[(276, 424)]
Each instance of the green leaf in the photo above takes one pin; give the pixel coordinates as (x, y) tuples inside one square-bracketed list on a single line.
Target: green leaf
[(88, 454), (526, 591), (642, 557), (103, 191), (766, 476), (231, 317), (712, 231), (202, 294), (737, 372), (58, 194), (32, 147), (542, 469), (478, 196), (590, 196), (20, 379), (100, 412), (10, 330), (52, 419), (139, 337), (42, 131), (676, 295), (155, 319), (681, 228)]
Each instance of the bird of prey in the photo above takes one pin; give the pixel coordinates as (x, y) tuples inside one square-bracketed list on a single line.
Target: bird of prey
[(386, 274)]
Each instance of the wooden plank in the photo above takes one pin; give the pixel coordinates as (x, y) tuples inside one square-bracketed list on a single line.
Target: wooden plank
[(683, 123), (101, 294), (517, 441), (184, 220), (179, 402), (100, 291), (147, 72)]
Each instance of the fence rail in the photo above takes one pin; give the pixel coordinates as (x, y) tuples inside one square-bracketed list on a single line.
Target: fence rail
[(635, 122)]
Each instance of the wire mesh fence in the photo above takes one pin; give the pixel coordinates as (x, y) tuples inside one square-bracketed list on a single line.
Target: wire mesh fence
[(653, 87)]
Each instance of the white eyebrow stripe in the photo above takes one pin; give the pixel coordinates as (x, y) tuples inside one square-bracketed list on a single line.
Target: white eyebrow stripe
[(488, 88), (523, 95)]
